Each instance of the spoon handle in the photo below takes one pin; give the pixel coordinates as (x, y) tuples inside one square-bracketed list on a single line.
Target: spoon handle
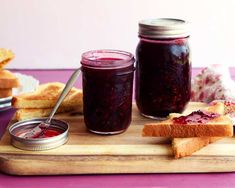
[(64, 93)]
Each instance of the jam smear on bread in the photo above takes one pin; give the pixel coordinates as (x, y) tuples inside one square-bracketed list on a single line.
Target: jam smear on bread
[(196, 117)]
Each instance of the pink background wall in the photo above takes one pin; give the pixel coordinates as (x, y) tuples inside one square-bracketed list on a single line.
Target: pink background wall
[(54, 33)]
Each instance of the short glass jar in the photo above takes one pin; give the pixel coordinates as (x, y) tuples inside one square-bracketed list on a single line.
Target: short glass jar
[(107, 90), (163, 67)]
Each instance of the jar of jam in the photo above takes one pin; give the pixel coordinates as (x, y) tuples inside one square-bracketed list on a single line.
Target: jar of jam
[(107, 90), (163, 67)]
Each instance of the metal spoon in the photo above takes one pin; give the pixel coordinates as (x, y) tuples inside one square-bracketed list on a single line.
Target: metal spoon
[(43, 126)]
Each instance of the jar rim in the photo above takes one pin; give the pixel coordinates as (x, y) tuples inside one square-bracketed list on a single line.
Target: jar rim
[(107, 59)]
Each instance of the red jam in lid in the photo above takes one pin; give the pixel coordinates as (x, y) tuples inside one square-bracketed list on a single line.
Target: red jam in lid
[(50, 132), (196, 117)]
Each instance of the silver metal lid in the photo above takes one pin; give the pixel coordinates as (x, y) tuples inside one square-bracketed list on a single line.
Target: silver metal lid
[(22, 127), (163, 28)]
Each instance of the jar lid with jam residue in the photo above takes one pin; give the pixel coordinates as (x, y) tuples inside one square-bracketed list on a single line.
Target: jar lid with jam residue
[(56, 135)]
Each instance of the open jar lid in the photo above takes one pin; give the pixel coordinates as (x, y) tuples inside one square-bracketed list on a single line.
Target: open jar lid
[(163, 28), (56, 135)]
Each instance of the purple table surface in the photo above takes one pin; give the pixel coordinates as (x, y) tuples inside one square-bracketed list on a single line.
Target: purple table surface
[(120, 180)]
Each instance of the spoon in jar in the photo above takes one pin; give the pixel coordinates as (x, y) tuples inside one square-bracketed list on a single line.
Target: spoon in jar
[(40, 129)]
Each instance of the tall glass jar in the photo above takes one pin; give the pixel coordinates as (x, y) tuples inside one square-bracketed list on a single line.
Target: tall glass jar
[(107, 90), (163, 67)]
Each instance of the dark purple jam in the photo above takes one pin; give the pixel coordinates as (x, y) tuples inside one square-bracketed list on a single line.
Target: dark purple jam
[(196, 117), (163, 76), (107, 97)]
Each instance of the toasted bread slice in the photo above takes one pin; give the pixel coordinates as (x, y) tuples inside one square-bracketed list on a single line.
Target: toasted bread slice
[(8, 80), (5, 93), (29, 113), (220, 126), (5, 57), (187, 146), (46, 96)]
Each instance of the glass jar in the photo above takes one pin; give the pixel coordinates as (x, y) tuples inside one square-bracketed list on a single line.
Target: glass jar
[(107, 90), (163, 67)]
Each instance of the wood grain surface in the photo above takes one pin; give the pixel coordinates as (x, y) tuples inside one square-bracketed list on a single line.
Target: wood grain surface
[(129, 152)]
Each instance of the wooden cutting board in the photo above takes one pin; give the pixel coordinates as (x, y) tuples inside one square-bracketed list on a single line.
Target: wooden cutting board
[(87, 153)]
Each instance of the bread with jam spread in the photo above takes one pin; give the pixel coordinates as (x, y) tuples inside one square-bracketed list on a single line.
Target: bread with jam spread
[(217, 125), (187, 146), (46, 95)]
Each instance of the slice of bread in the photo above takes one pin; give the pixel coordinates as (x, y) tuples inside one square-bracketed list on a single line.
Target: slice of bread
[(46, 96), (8, 80), (187, 146), (220, 126), (29, 113), (5, 57), (5, 93)]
